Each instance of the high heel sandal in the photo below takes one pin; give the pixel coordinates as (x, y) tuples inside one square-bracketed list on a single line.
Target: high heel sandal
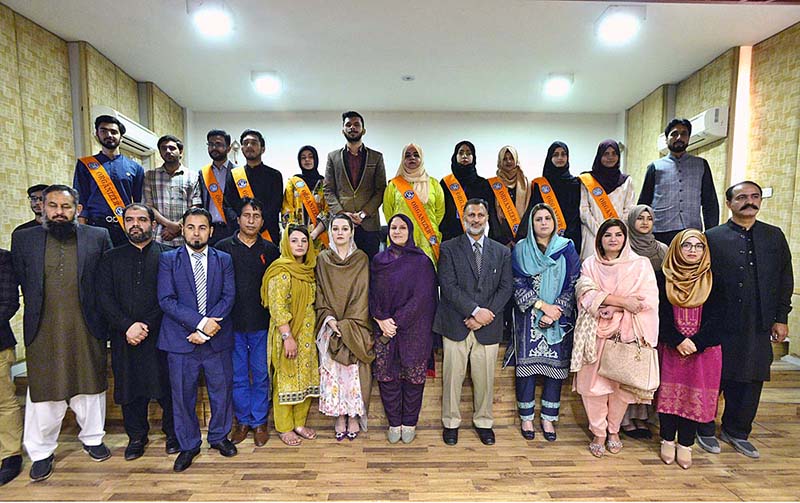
[(614, 446), (597, 450)]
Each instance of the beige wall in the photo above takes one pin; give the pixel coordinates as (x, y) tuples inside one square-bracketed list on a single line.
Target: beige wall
[(166, 115), (643, 123)]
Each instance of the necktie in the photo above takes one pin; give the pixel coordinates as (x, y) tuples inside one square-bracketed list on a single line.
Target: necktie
[(200, 282), (478, 256)]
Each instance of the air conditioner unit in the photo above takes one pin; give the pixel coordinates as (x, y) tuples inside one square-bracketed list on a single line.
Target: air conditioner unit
[(137, 139), (707, 127)]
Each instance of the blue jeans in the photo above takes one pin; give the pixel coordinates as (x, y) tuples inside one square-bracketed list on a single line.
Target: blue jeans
[(250, 378)]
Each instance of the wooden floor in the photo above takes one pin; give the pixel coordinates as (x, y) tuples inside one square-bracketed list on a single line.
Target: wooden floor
[(371, 469)]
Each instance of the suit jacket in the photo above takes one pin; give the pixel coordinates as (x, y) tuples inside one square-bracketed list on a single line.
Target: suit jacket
[(27, 251), (368, 196), (9, 300), (462, 290), (177, 295)]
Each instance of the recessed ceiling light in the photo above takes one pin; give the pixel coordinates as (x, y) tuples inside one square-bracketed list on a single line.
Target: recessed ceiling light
[(407, 78), (267, 83), (212, 18), (619, 24), (558, 84)]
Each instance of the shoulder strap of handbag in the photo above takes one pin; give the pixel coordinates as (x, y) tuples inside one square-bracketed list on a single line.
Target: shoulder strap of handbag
[(414, 204)]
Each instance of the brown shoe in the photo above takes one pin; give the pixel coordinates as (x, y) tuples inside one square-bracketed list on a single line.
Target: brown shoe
[(261, 435), (239, 432)]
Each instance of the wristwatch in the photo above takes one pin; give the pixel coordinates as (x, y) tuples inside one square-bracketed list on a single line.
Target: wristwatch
[(285, 336), (538, 304), (362, 215)]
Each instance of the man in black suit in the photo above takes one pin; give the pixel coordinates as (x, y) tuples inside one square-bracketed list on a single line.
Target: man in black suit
[(752, 267), (476, 282), (64, 332)]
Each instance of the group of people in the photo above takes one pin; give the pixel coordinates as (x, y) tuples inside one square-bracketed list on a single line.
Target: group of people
[(282, 296)]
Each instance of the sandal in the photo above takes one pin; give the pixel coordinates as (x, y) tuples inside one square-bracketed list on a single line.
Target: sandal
[(614, 446), (340, 434), (597, 450), (290, 438), (306, 433), (352, 435)]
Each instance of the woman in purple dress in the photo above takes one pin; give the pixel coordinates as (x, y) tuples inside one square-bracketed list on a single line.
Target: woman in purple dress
[(691, 358), (402, 300)]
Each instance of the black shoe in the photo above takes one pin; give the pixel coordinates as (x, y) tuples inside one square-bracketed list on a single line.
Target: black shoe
[(450, 436), (11, 467), (173, 446), (634, 433), (645, 433), (42, 469), (486, 435), (97, 452), (225, 447), (527, 434), (550, 436), (135, 449), (184, 459)]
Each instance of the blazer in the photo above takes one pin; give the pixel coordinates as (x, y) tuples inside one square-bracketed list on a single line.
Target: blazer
[(462, 290), (368, 196), (27, 252), (177, 296)]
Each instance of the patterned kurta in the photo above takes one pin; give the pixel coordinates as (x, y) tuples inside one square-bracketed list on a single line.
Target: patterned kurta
[(394, 202), (294, 212)]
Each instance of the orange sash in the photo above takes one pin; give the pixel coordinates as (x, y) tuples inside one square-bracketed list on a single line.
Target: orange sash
[(459, 196), (210, 179), (414, 204), (106, 186), (243, 186), (308, 202), (506, 204), (549, 197), (599, 195)]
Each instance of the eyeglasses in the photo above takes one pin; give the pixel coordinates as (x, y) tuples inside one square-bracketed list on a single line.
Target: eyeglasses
[(36, 199), (696, 246), (216, 145)]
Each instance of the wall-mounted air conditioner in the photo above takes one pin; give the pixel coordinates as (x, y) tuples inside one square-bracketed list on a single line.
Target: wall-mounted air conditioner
[(707, 127), (137, 139)]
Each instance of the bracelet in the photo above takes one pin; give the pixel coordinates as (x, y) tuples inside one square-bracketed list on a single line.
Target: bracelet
[(285, 335)]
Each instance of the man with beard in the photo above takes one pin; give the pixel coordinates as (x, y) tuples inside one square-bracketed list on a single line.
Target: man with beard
[(752, 269), (64, 332), (476, 282), (252, 255), (679, 186), (212, 184), (355, 179), (170, 190), (196, 291), (35, 200), (109, 181), (257, 181), (127, 275)]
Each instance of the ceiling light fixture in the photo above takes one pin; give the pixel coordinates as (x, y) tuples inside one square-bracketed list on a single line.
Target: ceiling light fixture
[(558, 84), (267, 83), (211, 17), (619, 24)]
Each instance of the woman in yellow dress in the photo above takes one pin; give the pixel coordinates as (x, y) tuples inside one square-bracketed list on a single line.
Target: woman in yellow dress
[(308, 181), (289, 289)]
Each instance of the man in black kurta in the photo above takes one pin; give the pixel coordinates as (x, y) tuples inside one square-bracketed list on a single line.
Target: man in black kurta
[(127, 277), (752, 267)]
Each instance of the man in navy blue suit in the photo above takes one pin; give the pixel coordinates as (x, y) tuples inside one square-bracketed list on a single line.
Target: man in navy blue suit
[(196, 291)]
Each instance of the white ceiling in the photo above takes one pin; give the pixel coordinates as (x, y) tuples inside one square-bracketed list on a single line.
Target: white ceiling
[(467, 55)]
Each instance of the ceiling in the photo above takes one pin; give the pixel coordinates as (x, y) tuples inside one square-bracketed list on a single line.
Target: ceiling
[(466, 55)]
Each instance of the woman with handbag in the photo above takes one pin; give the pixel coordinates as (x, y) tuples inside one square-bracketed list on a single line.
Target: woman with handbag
[(691, 357), (618, 290)]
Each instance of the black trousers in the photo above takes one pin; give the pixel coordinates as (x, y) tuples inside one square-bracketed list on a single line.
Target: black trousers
[(672, 424), (741, 406), (368, 241), (665, 237), (134, 417)]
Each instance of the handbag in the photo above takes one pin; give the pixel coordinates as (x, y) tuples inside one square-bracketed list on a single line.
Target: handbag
[(630, 363)]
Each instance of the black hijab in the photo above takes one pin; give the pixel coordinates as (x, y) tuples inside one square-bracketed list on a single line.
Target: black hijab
[(310, 176), (466, 175), (557, 176), (608, 178)]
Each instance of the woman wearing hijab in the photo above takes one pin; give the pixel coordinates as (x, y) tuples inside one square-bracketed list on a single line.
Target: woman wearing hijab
[(344, 339), (640, 225), (402, 300), (288, 290), (465, 183), (512, 183), (427, 193), (691, 358), (605, 193), (557, 182), (303, 200), (545, 267), (617, 289)]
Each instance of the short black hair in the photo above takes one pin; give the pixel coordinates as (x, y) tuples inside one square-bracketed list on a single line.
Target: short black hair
[(108, 119), (611, 222), (36, 188), (62, 188), (352, 114), (140, 206), (674, 122), (729, 190), (196, 210), (475, 200), (219, 132), (253, 132), (169, 137), (253, 203)]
